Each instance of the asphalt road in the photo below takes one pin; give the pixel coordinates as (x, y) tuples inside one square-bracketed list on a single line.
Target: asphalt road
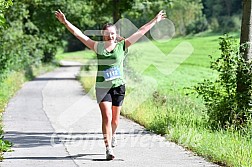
[(52, 122)]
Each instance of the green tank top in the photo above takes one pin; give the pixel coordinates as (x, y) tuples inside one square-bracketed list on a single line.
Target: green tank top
[(110, 66)]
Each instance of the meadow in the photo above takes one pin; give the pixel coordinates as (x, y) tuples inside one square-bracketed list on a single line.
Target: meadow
[(160, 78)]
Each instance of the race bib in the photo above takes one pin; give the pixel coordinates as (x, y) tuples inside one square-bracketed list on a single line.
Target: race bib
[(111, 73)]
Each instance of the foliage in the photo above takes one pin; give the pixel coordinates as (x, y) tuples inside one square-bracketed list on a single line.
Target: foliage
[(226, 106), (223, 20), (79, 13), (190, 16), (107, 9), (187, 15), (15, 53), (215, 8), (197, 26), (35, 32), (4, 5), (4, 144), (145, 10), (51, 32)]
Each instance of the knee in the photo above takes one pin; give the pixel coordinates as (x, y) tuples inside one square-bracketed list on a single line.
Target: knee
[(115, 121), (106, 119)]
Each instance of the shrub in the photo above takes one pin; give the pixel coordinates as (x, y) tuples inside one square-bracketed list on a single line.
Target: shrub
[(227, 98), (226, 24), (197, 26)]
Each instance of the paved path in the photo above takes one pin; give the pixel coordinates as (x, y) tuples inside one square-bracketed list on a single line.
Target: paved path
[(53, 123)]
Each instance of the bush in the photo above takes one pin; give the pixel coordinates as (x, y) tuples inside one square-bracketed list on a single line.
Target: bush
[(18, 50), (227, 98), (226, 24), (197, 26), (214, 24), (27, 38)]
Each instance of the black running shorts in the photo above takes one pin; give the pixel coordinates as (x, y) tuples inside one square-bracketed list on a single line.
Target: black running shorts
[(114, 95)]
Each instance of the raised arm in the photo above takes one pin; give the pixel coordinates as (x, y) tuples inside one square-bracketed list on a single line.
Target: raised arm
[(75, 31), (145, 28)]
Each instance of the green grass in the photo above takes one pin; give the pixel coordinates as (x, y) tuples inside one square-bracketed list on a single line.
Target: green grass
[(182, 121), (168, 110), (79, 56), (8, 87), (193, 70)]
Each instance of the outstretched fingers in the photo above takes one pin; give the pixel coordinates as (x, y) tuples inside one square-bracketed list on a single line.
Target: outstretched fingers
[(162, 14), (60, 12), (60, 16), (57, 14)]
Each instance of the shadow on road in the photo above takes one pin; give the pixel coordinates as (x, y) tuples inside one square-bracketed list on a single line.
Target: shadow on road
[(35, 139), (53, 79)]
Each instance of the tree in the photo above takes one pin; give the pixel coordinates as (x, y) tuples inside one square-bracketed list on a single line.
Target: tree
[(244, 70), (33, 34), (106, 9)]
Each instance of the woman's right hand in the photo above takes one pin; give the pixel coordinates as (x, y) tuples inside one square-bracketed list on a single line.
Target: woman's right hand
[(60, 16), (160, 16)]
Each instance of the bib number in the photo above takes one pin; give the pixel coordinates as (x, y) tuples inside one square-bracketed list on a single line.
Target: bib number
[(111, 73)]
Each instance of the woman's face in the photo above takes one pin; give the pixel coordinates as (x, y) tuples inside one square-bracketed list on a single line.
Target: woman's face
[(109, 34)]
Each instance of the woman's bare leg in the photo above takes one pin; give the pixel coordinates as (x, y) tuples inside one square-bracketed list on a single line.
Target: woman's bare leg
[(106, 111), (115, 117)]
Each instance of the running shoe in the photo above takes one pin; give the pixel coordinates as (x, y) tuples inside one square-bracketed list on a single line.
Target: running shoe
[(109, 153), (113, 141)]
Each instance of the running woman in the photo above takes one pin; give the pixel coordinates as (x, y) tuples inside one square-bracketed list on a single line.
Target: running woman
[(110, 84)]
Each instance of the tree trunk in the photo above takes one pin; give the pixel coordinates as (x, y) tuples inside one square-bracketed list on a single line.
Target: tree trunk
[(116, 11), (228, 5), (246, 30), (244, 80)]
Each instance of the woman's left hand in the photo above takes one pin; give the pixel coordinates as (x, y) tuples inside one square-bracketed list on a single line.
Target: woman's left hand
[(60, 16), (160, 16)]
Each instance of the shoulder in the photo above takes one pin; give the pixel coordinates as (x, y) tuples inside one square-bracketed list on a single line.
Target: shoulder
[(98, 47), (122, 44)]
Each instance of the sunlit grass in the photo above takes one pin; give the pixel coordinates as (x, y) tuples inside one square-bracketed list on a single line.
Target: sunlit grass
[(79, 56), (193, 70)]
